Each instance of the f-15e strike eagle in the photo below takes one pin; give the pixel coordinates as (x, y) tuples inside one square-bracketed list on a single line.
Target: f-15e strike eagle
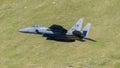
[(58, 33)]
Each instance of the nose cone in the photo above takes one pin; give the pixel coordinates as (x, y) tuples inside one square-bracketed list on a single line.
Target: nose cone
[(27, 30), (23, 30)]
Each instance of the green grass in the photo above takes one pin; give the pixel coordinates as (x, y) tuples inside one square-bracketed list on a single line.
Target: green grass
[(18, 50)]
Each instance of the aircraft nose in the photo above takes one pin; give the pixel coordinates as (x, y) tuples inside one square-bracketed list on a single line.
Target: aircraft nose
[(27, 30), (22, 30)]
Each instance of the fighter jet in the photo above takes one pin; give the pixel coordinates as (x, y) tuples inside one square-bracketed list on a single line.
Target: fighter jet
[(58, 33)]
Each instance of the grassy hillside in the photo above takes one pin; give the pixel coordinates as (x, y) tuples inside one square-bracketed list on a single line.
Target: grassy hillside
[(18, 50)]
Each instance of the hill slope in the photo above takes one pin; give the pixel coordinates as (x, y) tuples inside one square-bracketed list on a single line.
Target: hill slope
[(19, 50)]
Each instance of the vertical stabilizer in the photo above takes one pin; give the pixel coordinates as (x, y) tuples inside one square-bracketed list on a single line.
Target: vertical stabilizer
[(77, 26), (86, 30)]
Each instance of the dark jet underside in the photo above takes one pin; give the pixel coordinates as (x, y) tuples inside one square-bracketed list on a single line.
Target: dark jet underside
[(63, 38)]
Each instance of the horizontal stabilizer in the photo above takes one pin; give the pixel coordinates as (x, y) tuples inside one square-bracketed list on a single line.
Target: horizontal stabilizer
[(90, 39)]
